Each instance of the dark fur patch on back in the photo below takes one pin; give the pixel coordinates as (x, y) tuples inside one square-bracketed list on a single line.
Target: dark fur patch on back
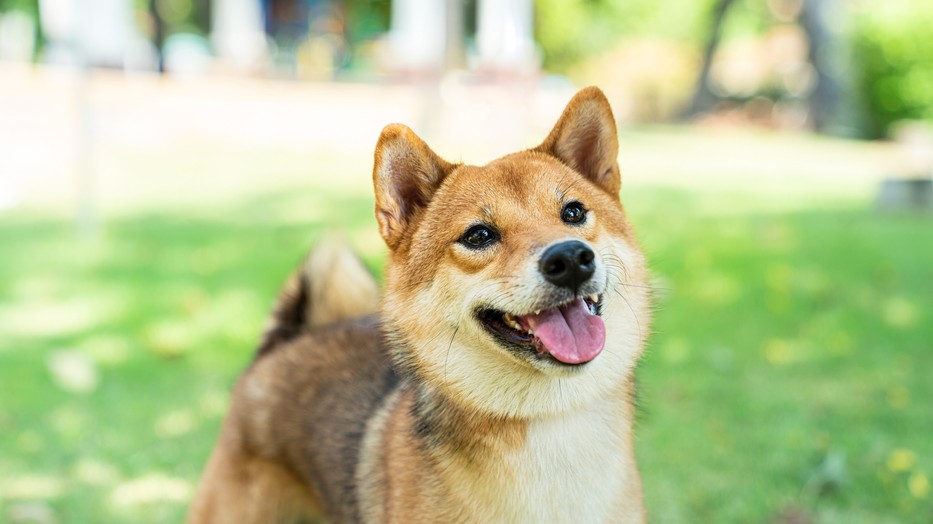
[(288, 318)]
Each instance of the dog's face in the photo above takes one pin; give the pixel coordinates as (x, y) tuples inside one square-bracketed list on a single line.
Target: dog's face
[(517, 287)]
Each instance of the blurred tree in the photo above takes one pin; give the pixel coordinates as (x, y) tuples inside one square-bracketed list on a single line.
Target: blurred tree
[(559, 28), (30, 7), (183, 16), (894, 61), (158, 33), (455, 55), (366, 19), (570, 31), (823, 54), (703, 96), (27, 6)]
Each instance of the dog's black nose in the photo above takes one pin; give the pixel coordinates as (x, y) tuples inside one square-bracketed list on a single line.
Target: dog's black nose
[(568, 264)]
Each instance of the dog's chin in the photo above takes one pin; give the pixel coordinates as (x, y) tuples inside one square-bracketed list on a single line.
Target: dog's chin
[(510, 332)]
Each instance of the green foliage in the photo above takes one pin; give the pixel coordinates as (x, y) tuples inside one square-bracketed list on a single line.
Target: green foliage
[(366, 19), (184, 16), (569, 31), (27, 6), (745, 18), (894, 56)]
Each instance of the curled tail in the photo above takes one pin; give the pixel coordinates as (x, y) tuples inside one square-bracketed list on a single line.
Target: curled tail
[(330, 285)]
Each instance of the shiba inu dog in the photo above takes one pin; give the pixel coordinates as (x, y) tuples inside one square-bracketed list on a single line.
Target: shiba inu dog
[(493, 379)]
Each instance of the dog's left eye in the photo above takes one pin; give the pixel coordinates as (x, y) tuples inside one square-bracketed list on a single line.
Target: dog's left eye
[(573, 213), (479, 236)]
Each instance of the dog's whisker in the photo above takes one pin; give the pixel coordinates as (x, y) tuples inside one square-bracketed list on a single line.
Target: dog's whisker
[(634, 315), (621, 281), (449, 345), (560, 392)]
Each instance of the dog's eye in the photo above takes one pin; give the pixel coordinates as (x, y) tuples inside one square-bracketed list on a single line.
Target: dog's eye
[(479, 236), (573, 213)]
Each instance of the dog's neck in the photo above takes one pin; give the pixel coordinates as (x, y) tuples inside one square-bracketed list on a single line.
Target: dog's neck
[(523, 468), (445, 424)]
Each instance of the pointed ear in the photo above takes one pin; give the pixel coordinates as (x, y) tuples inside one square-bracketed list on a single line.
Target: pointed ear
[(405, 175), (585, 139)]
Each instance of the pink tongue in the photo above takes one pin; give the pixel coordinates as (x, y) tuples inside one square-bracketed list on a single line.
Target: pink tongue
[(569, 333)]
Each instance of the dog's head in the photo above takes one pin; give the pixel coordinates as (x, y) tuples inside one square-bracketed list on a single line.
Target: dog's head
[(517, 287)]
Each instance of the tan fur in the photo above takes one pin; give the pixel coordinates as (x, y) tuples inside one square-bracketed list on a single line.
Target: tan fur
[(342, 301), (247, 488), (418, 414)]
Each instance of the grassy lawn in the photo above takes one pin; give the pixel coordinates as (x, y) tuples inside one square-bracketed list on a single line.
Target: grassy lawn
[(789, 378)]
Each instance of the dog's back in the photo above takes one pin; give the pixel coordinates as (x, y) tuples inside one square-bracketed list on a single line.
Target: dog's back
[(320, 372)]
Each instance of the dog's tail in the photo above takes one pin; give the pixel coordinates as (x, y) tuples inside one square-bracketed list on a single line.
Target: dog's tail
[(332, 284)]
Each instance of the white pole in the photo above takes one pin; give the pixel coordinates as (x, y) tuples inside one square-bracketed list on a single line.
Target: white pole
[(85, 208)]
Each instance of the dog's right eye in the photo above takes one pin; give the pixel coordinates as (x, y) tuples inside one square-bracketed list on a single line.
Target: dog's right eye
[(478, 236)]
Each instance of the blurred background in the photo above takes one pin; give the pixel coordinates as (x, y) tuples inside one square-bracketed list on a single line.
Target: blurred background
[(165, 163)]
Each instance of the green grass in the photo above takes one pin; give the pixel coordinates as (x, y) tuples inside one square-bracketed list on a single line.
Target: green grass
[(789, 375), (787, 367)]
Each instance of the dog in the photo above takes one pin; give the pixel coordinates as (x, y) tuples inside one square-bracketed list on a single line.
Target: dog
[(492, 380)]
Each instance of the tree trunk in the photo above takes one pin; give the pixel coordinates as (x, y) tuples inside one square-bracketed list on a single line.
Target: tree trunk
[(825, 97), (703, 96)]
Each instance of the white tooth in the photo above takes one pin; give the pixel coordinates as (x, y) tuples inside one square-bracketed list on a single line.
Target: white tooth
[(594, 297), (537, 311)]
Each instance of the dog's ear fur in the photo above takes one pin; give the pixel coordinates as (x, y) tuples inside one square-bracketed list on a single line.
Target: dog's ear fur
[(585, 139), (406, 173)]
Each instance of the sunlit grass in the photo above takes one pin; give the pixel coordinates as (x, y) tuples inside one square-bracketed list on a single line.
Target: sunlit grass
[(786, 367), (787, 375)]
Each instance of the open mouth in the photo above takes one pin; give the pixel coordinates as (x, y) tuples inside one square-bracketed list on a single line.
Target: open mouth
[(571, 333)]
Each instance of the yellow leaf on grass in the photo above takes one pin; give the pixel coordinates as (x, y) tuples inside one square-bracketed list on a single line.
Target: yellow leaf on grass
[(901, 460), (899, 313), (919, 485), (780, 352)]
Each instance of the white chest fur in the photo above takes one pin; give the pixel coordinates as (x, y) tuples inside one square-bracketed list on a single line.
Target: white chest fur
[(573, 469)]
